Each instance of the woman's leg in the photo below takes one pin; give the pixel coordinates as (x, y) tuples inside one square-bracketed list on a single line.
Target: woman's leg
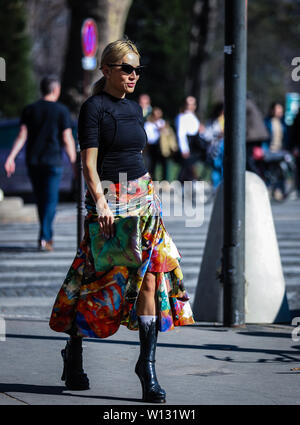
[(148, 330), (146, 303), (73, 373)]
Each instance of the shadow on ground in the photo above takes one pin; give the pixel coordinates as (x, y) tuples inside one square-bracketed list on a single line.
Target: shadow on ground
[(279, 355), (55, 390)]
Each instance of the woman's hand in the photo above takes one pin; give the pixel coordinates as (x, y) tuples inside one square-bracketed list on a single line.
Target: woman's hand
[(105, 220), (105, 215)]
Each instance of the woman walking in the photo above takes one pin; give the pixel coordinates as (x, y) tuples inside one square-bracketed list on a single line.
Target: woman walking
[(126, 270)]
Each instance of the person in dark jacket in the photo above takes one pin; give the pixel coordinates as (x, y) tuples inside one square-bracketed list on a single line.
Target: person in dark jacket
[(276, 143), (256, 133)]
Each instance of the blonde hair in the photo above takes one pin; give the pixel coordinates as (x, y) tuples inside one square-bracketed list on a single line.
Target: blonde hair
[(113, 53)]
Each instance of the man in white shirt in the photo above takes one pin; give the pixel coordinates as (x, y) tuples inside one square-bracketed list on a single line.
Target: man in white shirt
[(187, 125)]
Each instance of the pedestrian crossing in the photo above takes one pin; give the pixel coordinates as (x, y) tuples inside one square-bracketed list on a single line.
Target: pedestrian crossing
[(30, 279)]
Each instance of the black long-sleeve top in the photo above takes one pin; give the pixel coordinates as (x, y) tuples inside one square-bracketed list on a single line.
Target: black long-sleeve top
[(115, 126)]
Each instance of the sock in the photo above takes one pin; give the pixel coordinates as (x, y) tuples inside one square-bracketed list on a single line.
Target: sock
[(147, 319)]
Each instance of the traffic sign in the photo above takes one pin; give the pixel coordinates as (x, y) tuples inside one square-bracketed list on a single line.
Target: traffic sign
[(89, 37)]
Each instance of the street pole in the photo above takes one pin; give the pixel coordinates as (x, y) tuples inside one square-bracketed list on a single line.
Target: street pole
[(89, 44), (235, 82)]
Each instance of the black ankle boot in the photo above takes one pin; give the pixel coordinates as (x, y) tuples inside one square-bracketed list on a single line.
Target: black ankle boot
[(145, 367), (73, 372)]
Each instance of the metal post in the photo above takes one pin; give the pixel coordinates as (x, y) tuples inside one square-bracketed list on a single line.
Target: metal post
[(89, 44), (80, 181), (234, 161), (80, 199)]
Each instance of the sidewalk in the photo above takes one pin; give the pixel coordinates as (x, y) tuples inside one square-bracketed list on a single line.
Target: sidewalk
[(200, 365)]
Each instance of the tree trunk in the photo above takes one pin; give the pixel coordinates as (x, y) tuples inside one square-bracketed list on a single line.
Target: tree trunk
[(110, 17), (201, 44)]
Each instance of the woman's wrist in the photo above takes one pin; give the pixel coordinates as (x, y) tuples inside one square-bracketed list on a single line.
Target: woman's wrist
[(101, 205), (11, 157)]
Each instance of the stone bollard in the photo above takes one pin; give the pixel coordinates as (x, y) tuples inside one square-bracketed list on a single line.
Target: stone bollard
[(265, 299)]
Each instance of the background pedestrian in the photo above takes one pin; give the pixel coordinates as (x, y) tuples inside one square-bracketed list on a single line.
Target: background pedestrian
[(188, 127), (46, 127), (153, 127)]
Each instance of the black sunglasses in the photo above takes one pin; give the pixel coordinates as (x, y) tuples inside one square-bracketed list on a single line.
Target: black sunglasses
[(128, 69)]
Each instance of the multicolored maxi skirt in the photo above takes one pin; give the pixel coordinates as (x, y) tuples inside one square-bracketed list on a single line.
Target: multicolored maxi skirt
[(102, 285)]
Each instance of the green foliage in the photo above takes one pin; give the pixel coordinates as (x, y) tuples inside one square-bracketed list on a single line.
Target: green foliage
[(161, 31), (273, 40), (18, 89)]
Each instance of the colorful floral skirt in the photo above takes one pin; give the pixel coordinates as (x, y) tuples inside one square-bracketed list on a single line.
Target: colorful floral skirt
[(102, 285)]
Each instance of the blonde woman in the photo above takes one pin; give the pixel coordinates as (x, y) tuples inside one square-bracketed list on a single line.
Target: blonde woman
[(126, 270)]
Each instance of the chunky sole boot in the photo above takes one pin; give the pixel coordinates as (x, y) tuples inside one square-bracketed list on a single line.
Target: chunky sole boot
[(73, 374), (145, 366)]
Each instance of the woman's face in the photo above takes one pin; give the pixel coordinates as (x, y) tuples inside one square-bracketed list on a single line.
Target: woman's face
[(118, 82)]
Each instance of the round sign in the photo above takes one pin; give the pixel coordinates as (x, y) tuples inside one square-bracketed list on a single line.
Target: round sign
[(89, 37)]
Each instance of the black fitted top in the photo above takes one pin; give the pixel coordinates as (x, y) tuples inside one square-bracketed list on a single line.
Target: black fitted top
[(114, 126)]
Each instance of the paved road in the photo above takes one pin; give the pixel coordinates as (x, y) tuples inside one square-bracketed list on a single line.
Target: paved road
[(29, 279)]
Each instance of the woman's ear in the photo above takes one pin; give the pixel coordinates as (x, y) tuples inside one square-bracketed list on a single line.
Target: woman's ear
[(106, 70)]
